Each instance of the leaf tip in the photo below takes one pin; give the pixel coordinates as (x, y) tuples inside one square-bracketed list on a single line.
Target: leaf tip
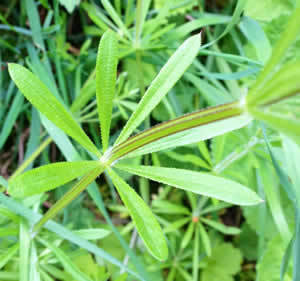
[(11, 66)]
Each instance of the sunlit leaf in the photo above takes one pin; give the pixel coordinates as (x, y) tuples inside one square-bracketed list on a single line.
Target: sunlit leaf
[(186, 129), (49, 177), (106, 75), (165, 80), (197, 182), (39, 95), (143, 218)]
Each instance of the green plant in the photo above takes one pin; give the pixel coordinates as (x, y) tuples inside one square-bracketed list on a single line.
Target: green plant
[(47, 104), (266, 101), (273, 98)]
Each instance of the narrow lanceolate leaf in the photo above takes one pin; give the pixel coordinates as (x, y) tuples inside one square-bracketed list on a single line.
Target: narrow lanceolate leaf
[(286, 39), (48, 177), (284, 84), (40, 96), (141, 13), (165, 80), (114, 15), (69, 197), (286, 124), (197, 182), (143, 218), (106, 75), (186, 129), (228, 230)]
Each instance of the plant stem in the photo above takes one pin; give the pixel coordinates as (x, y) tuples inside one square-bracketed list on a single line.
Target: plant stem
[(140, 71), (143, 183)]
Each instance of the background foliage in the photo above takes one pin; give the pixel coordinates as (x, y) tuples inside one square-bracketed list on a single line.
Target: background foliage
[(93, 238)]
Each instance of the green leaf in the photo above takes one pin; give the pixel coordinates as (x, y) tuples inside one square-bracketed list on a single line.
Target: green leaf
[(39, 95), (268, 267), (48, 177), (143, 218), (205, 239), (267, 10), (87, 264), (205, 20), (271, 190), (165, 80), (106, 75), (186, 129), (114, 15), (166, 207), (285, 41), (11, 117), (34, 22), (64, 233), (66, 261), (176, 225), (239, 8), (197, 182), (141, 13), (96, 15), (228, 230), (8, 255), (292, 154), (255, 34), (92, 234), (285, 83), (286, 124), (220, 266), (69, 196), (25, 245), (283, 177), (187, 237)]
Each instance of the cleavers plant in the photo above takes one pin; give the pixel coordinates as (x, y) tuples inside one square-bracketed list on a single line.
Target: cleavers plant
[(272, 99)]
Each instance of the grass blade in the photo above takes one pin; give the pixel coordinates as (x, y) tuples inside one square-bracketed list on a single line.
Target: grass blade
[(11, 117), (35, 25)]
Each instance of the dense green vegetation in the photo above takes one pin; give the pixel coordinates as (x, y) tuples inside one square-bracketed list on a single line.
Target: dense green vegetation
[(168, 151)]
